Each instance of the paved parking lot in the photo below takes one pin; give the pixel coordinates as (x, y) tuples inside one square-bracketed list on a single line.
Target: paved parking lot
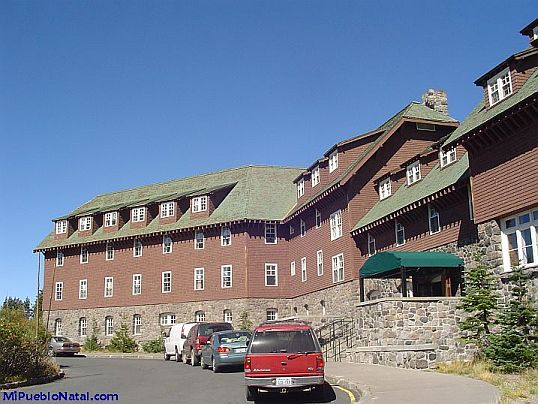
[(157, 381)]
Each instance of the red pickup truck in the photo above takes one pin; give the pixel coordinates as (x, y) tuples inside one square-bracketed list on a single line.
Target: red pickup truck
[(283, 357)]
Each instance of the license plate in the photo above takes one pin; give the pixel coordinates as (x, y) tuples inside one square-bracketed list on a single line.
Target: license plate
[(241, 350), (283, 381)]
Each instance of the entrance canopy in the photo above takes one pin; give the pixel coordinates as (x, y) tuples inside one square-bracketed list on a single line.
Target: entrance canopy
[(389, 264)]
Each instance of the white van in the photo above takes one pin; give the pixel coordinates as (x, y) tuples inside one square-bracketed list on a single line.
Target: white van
[(174, 339)]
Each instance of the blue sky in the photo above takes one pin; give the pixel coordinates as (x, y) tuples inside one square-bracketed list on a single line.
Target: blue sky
[(97, 96)]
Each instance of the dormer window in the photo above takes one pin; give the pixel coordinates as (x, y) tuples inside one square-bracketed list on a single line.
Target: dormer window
[(85, 223), (167, 209), (199, 204), (535, 33), (300, 188), (61, 227), (499, 87), (315, 176), (413, 173), (385, 189), (333, 161), (138, 214), (447, 156), (111, 219)]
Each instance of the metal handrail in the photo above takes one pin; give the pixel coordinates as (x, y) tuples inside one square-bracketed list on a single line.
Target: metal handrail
[(336, 337)]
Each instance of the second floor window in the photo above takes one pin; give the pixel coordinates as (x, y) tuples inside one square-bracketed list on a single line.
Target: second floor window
[(60, 259), (137, 248), (166, 286), (83, 289), (61, 226), (85, 223), (270, 233), (385, 188), (199, 241), (435, 225), (336, 225), (319, 256), (303, 269), (111, 219), (109, 251), (318, 218), (167, 245), (371, 245), (199, 204), (59, 291), (300, 188), (400, 233), (167, 209), (333, 161), (199, 278), (271, 275), (302, 227), (138, 214), (499, 87), (315, 176), (338, 268), (226, 276), (413, 173), (137, 284), (225, 236), (109, 286), (84, 255), (292, 268)]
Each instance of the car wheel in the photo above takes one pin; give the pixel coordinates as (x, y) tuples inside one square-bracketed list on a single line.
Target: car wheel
[(203, 365), (214, 366), (178, 356), (185, 359), (194, 361), (252, 393), (50, 352)]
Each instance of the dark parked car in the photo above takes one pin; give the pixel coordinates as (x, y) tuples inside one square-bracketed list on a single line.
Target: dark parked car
[(62, 345), (225, 348), (197, 338)]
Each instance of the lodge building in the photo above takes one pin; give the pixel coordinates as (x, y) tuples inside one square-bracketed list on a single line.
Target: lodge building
[(280, 241)]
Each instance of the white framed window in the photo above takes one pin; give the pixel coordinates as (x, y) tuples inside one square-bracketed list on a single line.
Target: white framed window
[(433, 220), (336, 225), (270, 233), (58, 327), (109, 326), (300, 188), (138, 214), (199, 241), (82, 327), (426, 126), (111, 219), (272, 314), (199, 204), (60, 258), (318, 218), (303, 269), (83, 289), (271, 275), (137, 248), (319, 256), (447, 157), (333, 161), (399, 230), (61, 227), (315, 177), (137, 324), (371, 245), (227, 316), (199, 278), (292, 268), (225, 236), (292, 230), (167, 319), (166, 282), (338, 268), (167, 209), (519, 240), (109, 286), (385, 188), (302, 227), (167, 245), (59, 291), (85, 223), (499, 87), (199, 316), (84, 255), (226, 276), (137, 284), (413, 172), (109, 253)]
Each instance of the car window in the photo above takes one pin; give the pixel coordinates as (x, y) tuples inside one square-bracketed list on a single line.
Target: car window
[(230, 338), (276, 341), (61, 339), (208, 329)]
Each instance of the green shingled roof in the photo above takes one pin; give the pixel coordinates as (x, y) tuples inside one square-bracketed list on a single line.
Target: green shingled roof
[(481, 114), (257, 193), (436, 180), (413, 110)]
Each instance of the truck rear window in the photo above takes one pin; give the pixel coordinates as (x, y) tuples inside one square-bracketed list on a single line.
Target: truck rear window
[(283, 341)]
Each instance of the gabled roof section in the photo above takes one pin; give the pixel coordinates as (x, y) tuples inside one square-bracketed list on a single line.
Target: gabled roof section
[(414, 111), (436, 181), (482, 114), (482, 80), (256, 193)]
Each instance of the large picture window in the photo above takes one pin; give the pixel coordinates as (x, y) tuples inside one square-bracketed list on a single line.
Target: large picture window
[(520, 239)]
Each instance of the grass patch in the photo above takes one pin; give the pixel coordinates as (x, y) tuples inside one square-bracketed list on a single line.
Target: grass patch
[(514, 387)]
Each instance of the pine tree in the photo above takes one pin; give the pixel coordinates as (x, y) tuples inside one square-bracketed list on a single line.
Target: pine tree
[(480, 303), (92, 343), (244, 321), (121, 341)]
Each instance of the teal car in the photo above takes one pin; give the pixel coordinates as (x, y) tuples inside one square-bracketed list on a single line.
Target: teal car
[(225, 348)]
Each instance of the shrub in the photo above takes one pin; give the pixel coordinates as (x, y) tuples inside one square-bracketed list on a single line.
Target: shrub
[(244, 322), (121, 341), (153, 346), (92, 343)]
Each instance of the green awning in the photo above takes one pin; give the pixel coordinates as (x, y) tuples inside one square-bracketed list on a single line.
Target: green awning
[(387, 263)]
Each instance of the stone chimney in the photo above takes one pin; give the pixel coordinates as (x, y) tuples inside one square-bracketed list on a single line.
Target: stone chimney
[(436, 100)]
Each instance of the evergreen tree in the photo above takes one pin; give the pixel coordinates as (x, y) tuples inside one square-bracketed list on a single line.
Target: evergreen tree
[(121, 341), (479, 302), (244, 321), (92, 343)]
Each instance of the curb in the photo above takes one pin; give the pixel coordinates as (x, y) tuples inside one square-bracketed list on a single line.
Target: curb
[(122, 356), (358, 391), (32, 382)]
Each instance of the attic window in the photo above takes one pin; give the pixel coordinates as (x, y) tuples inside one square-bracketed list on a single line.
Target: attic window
[(447, 156), (385, 188), (413, 173), (333, 161), (199, 204), (315, 176), (61, 226), (138, 214), (167, 209), (300, 188), (426, 126), (535, 33), (499, 87), (85, 223)]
